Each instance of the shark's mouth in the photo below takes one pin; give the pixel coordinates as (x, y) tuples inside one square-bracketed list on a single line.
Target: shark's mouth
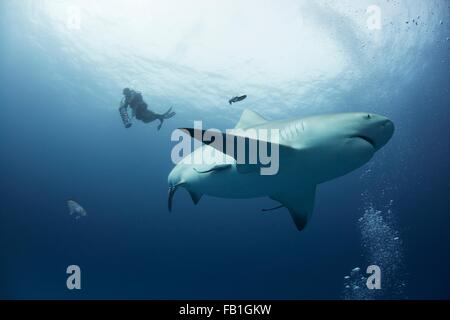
[(367, 139)]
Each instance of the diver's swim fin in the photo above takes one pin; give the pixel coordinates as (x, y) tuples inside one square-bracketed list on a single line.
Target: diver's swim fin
[(169, 114), (166, 115)]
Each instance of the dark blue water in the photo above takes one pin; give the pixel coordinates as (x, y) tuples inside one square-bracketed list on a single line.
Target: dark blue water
[(61, 137)]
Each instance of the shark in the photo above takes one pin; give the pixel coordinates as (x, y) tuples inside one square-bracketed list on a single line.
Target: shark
[(312, 151)]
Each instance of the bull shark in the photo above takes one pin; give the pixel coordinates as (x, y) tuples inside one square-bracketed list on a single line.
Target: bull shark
[(312, 151)]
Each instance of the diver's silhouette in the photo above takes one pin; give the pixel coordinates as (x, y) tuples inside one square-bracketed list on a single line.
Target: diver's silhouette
[(139, 108)]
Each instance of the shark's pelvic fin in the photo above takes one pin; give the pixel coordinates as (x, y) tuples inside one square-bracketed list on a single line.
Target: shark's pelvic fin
[(249, 118), (195, 196), (300, 204)]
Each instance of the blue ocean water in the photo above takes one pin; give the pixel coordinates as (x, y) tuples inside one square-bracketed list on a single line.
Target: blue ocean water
[(61, 137)]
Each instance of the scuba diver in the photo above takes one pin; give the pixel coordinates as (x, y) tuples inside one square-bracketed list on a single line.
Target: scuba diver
[(134, 100), (236, 99)]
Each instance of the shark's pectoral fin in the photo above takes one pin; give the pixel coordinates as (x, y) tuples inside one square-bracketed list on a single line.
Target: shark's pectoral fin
[(172, 189), (300, 204), (195, 196)]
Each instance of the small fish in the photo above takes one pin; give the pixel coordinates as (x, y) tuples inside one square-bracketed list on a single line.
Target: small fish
[(237, 99)]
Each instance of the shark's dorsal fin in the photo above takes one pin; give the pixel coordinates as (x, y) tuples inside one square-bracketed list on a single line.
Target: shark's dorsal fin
[(300, 204), (248, 119)]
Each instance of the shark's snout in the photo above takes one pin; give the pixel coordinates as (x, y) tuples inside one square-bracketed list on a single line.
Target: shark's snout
[(377, 130), (383, 132)]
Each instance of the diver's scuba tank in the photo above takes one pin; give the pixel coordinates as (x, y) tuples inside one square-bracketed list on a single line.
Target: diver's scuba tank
[(124, 115)]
